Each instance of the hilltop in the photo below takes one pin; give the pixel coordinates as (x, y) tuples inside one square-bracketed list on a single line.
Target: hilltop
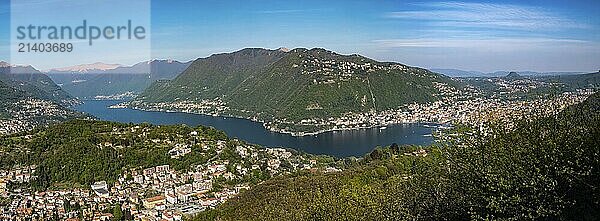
[(513, 75), (287, 88)]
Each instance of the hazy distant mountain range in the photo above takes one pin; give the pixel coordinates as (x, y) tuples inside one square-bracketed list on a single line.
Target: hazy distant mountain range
[(463, 73), (99, 79), (458, 73), (97, 67)]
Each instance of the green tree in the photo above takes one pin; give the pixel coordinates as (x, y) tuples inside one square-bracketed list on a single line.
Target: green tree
[(117, 212)]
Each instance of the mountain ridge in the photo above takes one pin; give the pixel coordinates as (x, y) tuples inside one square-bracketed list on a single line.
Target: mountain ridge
[(284, 88), (451, 72), (34, 82), (85, 68)]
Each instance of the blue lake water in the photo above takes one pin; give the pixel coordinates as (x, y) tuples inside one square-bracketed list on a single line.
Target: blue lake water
[(335, 143)]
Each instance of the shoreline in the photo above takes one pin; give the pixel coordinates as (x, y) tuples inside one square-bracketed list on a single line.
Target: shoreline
[(432, 125)]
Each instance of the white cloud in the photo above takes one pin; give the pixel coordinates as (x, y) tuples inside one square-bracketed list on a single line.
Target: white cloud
[(486, 15), (490, 54), (477, 43), (489, 36)]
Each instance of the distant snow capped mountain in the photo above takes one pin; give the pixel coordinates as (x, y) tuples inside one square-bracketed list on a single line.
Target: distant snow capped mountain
[(4, 64), (86, 68), (161, 69), (119, 80)]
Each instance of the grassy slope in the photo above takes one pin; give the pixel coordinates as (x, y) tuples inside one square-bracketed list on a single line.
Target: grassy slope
[(211, 77)]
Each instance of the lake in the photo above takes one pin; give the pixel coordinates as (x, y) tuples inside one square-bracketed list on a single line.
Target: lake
[(335, 143)]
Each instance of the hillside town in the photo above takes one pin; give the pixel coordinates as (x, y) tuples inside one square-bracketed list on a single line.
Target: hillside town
[(331, 71), (469, 112), (29, 113), (159, 192)]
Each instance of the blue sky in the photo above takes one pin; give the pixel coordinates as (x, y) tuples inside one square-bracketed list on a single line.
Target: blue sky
[(472, 35)]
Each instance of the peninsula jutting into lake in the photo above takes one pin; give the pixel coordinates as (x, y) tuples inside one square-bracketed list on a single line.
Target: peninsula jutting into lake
[(336, 143)]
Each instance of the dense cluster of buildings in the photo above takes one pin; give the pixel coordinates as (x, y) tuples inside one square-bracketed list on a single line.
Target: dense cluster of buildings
[(154, 193), (212, 107), (466, 106), (330, 71), (29, 113), (122, 96), (473, 111)]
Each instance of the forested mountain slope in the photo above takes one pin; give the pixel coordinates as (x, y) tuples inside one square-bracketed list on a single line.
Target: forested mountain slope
[(277, 85)]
